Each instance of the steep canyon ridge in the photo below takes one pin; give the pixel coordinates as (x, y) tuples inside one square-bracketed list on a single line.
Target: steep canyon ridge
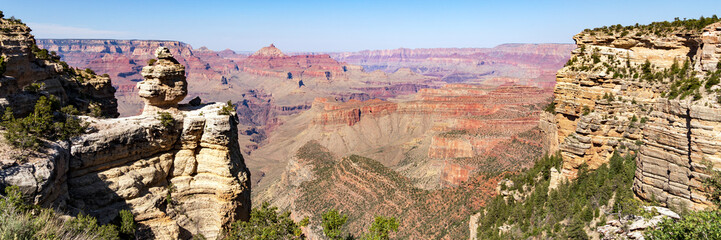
[(429, 136)]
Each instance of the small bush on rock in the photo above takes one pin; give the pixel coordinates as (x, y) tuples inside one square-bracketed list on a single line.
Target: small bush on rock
[(228, 108), (25, 132), (166, 119), (267, 223)]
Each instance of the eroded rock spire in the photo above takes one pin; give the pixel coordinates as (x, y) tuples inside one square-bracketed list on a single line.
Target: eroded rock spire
[(164, 85)]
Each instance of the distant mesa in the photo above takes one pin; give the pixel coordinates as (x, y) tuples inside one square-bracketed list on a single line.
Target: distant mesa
[(269, 52)]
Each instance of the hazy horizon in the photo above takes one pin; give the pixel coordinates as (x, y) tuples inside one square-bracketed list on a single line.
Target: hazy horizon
[(326, 26)]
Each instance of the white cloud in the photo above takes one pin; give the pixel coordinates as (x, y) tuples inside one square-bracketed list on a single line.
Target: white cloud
[(50, 30)]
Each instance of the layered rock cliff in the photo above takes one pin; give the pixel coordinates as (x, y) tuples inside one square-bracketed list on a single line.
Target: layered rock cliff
[(652, 90), (178, 168), (523, 61), (27, 65)]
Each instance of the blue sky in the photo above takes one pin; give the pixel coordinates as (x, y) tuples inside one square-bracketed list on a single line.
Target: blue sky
[(341, 25)]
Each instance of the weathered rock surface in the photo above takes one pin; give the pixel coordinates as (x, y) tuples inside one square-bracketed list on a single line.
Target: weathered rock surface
[(164, 85), (604, 103), (183, 178), (633, 227), (71, 87), (41, 177)]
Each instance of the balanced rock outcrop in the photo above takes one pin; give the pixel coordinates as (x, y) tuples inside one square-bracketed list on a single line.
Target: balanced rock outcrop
[(177, 168), (164, 85)]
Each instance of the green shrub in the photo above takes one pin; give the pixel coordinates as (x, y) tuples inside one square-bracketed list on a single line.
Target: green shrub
[(65, 66), (267, 223), (3, 64), (332, 222), (697, 225), (166, 119), (712, 80), (228, 108), (21, 221), (127, 222), (25, 132), (89, 71), (34, 87), (551, 107), (87, 224), (381, 228), (152, 61), (40, 53), (95, 110), (169, 194), (565, 210)]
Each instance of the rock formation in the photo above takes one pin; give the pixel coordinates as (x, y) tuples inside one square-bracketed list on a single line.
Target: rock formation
[(177, 168), (180, 176), (649, 90), (270, 61), (269, 52), (180, 172), (28, 65), (164, 85)]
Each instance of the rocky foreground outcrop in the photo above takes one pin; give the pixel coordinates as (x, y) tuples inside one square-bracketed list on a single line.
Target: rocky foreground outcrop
[(177, 168), (652, 90)]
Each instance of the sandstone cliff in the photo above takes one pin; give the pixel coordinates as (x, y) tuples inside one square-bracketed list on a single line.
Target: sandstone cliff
[(646, 89), (177, 168), (27, 65)]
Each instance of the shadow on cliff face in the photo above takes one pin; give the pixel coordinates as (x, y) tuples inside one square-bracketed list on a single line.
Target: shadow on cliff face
[(126, 166), (179, 176)]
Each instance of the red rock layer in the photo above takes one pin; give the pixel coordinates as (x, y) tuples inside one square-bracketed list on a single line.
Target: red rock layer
[(270, 61), (469, 120), (535, 62)]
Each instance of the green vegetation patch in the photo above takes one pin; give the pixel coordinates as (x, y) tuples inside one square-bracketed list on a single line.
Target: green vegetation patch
[(563, 212), (47, 121), (21, 221), (657, 28), (3, 65), (267, 222)]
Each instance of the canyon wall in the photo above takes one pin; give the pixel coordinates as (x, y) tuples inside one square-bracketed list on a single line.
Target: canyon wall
[(649, 90), (535, 63), (436, 154)]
